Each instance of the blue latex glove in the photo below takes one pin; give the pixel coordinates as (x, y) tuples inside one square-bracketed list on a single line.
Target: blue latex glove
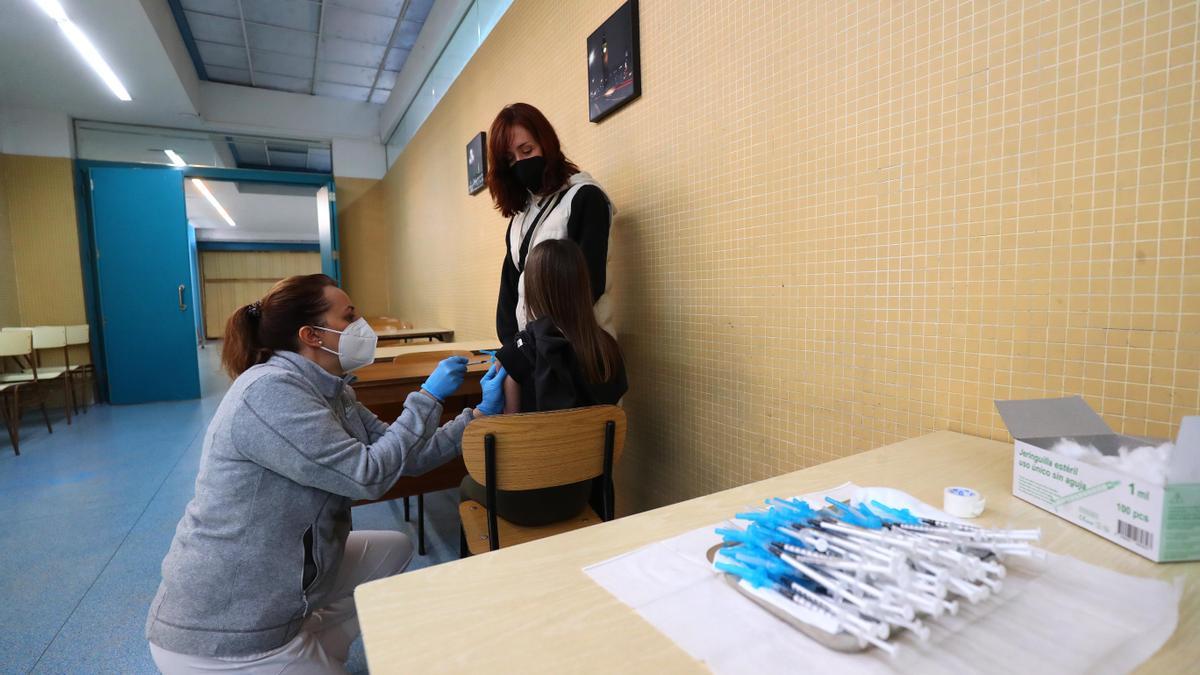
[(493, 390), (446, 378)]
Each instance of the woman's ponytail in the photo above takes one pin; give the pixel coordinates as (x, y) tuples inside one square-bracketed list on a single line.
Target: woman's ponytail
[(256, 331), (242, 348)]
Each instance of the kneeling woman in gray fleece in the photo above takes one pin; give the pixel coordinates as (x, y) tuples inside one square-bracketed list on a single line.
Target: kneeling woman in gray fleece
[(260, 576)]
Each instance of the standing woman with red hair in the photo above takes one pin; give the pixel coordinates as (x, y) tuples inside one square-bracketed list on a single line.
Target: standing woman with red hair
[(545, 196)]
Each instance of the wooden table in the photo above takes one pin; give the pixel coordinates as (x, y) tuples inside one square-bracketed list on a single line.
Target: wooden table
[(389, 352), (530, 608), (388, 328), (391, 334)]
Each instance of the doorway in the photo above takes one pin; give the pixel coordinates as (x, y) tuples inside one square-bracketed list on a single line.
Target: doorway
[(156, 284)]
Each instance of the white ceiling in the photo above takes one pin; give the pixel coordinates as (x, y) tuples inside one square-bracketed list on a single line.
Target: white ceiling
[(260, 217), (40, 69)]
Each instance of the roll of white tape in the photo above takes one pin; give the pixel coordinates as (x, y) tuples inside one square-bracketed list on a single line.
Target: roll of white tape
[(962, 502)]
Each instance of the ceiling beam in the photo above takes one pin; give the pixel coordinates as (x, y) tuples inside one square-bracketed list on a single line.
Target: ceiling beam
[(388, 50), (246, 39), (317, 55)]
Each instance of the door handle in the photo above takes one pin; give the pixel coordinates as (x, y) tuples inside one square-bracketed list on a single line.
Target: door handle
[(182, 306)]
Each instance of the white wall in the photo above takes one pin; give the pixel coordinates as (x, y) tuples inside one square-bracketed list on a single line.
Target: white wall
[(357, 158), (229, 106), (25, 131)]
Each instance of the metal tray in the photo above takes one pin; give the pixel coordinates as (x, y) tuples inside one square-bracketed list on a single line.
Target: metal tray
[(842, 642)]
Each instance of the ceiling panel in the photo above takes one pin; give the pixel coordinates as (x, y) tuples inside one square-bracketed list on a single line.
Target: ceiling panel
[(351, 25), (362, 43), (280, 64), (300, 15), (228, 56), (251, 153), (396, 59), (320, 160), (387, 79), (345, 91), (222, 7), (406, 37), (350, 52), (215, 28), (297, 43), (300, 85), (339, 74), (232, 75), (382, 7)]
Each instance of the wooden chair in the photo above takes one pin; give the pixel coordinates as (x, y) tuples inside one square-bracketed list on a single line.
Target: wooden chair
[(537, 450), (18, 345), (80, 335), (49, 339)]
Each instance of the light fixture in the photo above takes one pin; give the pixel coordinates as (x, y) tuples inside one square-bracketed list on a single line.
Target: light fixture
[(213, 200), (85, 47), (54, 9), (174, 157)]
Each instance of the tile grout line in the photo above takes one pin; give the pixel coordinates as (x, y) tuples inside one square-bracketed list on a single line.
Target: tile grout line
[(116, 550)]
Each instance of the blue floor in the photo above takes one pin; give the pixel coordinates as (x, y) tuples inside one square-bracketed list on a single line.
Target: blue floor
[(89, 512)]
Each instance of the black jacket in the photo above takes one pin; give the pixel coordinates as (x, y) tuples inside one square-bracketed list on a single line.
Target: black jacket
[(543, 362)]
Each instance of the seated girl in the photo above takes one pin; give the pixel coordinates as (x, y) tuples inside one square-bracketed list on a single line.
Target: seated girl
[(563, 359)]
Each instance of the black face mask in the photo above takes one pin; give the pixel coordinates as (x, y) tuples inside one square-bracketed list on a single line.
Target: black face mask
[(529, 171)]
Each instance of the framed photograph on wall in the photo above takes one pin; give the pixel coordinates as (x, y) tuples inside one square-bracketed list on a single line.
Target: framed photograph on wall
[(476, 162), (614, 63)]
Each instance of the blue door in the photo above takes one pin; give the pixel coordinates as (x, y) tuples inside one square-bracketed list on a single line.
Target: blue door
[(144, 277)]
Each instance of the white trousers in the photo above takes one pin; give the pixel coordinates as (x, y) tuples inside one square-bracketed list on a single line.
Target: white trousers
[(324, 641)]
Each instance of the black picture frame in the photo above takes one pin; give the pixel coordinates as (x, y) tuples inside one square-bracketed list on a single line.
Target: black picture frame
[(477, 163), (614, 63)]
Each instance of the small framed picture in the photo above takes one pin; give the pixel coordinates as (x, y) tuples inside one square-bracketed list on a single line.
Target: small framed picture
[(614, 63), (476, 162)]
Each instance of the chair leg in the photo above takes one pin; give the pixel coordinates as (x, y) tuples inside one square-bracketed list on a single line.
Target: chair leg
[(421, 523), (45, 416), (68, 397), (406, 508), (16, 418), (9, 423)]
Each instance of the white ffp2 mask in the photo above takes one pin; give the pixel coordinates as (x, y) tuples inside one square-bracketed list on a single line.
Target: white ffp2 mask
[(356, 347)]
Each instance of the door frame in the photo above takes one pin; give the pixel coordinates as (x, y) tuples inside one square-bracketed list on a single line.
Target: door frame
[(87, 239)]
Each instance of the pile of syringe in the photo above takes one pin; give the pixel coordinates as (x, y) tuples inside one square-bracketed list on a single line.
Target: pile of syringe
[(870, 568)]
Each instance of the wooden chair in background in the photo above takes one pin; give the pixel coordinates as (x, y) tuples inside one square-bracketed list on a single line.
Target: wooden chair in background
[(18, 346)]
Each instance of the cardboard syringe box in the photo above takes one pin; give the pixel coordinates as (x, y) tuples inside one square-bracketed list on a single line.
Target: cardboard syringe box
[(1160, 522)]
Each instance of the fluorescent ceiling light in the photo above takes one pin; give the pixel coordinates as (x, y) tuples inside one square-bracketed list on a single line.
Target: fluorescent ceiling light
[(85, 48), (54, 9), (174, 157), (213, 200)]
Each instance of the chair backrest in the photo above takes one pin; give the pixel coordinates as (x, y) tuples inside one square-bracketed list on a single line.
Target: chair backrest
[(78, 335), (49, 337), (545, 449), (16, 342), (44, 337), (428, 357)]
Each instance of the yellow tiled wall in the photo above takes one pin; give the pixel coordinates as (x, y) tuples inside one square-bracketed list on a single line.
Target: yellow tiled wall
[(39, 196), (231, 279), (10, 314), (364, 239), (844, 224)]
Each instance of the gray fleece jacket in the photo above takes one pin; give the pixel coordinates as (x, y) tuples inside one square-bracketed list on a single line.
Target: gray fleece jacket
[(259, 545)]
